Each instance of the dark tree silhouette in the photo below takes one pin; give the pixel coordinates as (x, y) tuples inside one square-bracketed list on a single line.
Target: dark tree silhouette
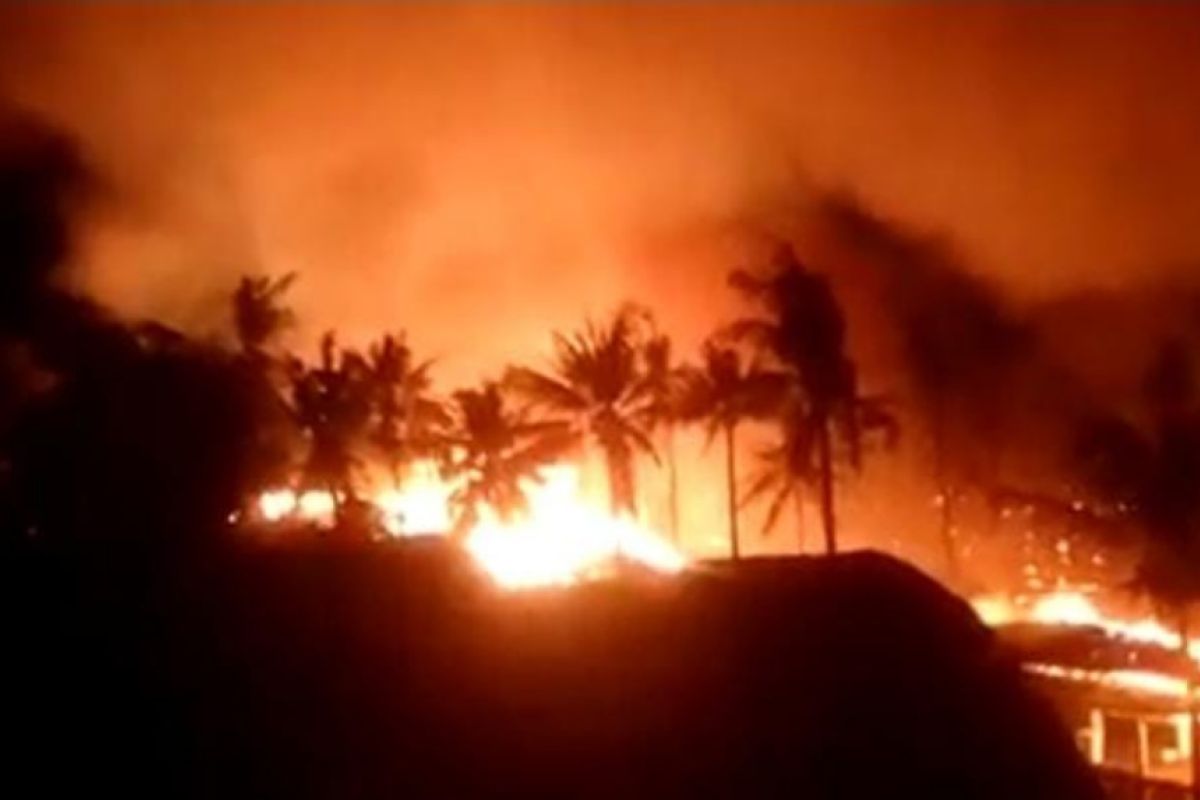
[(664, 386), (259, 314), (407, 421), (493, 450), (723, 392), (43, 178), (803, 331), (961, 342), (332, 405), (597, 381), (148, 442)]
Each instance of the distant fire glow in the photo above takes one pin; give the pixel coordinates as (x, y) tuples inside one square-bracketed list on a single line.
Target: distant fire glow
[(561, 539)]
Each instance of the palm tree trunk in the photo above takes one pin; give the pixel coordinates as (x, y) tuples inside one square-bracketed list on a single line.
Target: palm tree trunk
[(798, 500), (828, 522), (621, 485), (672, 485), (731, 490)]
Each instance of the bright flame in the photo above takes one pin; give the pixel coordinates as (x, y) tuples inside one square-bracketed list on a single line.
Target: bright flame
[(1073, 608), (1137, 680), (276, 504), (1066, 608), (421, 507), (561, 539)]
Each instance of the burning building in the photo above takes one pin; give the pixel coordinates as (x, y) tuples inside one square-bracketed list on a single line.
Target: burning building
[(1124, 686)]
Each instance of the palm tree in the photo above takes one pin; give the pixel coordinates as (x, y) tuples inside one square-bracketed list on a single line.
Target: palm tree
[(258, 312), (597, 380), (725, 391), (803, 332), (664, 382), (331, 402), (407, 420), (493, 450), (259, 316)]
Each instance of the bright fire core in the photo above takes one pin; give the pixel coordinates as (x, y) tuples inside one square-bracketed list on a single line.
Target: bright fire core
[(561, 538)]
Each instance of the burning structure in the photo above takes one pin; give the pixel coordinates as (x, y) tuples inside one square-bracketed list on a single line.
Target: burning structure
[(1127, 687), (559, 539)]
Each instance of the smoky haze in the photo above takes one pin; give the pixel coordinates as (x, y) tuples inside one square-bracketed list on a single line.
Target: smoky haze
[(1021, 182), (479, 173)]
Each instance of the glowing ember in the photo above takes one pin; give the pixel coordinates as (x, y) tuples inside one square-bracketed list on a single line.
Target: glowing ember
[(561, 539), (1144, 681)]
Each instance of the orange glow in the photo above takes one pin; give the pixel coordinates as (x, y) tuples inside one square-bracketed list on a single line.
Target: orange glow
[(1074, 608), (561, 539), (421, 507), (1136, 680)]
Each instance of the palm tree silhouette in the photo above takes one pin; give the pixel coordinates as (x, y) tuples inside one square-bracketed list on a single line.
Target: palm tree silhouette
[(331, 402), (597, 380), (664, 385), (259, 314), (493, 451), (407, 420), (802, 330), (723, 392)]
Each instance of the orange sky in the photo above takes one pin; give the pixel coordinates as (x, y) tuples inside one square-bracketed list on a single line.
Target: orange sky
[(480, 173)]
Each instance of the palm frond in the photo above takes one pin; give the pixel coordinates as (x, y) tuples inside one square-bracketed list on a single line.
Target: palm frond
[(543, 390)]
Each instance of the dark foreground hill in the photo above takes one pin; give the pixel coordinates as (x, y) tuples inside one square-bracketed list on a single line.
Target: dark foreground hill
[(393, 674)]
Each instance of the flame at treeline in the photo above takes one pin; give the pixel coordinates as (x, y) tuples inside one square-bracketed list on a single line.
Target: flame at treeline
[(560, 538)]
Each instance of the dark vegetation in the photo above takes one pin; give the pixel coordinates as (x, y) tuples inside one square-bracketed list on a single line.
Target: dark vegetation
[(399, 672)]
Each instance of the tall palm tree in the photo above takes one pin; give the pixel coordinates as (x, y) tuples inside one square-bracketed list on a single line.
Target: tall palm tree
[(493, 450), (331, 402), (664, 384), (596, 381), (723, 392), (407, 419), (259, 314), (802, 330)]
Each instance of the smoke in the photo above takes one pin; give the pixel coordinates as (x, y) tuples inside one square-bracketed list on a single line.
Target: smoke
[(1025, 179), (43, 183), (481, 173)]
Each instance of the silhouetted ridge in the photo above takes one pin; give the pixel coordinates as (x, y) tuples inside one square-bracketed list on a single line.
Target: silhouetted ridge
[(403, 672)]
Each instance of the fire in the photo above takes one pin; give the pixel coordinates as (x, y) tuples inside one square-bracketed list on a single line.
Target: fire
[(1137, 680), (1074, 608), (561, 538)]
